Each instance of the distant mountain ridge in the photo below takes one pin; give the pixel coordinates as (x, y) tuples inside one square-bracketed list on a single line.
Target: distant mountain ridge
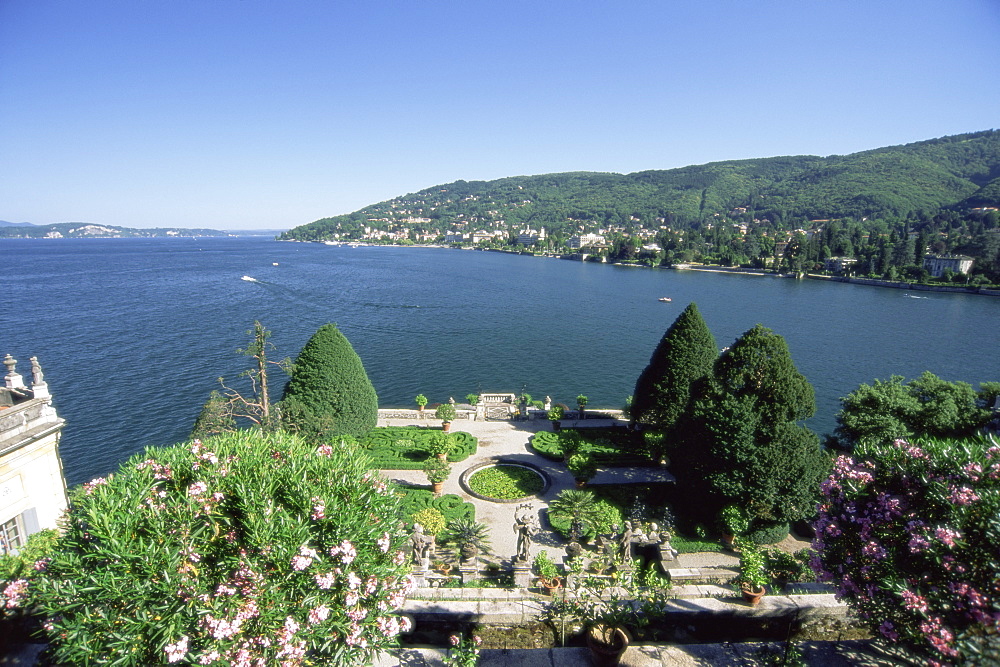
[(88, 230), (955, 172)]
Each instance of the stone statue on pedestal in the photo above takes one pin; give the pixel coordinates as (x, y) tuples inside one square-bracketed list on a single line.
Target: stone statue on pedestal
[(525, 526), (422, 545)]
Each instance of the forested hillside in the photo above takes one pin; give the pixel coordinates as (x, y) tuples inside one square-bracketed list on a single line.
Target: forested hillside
[(734, 212)]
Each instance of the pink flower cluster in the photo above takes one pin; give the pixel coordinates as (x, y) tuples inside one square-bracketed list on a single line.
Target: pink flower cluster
[(304, 559), (13, 594), (176, 651), (346, 551), (903, 534)]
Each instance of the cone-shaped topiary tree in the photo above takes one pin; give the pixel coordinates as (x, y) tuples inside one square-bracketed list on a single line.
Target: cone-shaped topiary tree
[(685, 353), (329, 392)]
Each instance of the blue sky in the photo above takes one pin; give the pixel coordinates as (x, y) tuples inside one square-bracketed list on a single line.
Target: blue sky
[(239, 114)]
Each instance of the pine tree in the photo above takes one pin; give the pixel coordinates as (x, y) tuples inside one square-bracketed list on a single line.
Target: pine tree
[(684, 355), (744, 442), (329, 393)]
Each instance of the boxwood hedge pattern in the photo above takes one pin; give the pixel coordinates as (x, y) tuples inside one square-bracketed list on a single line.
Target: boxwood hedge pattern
[(386, 454), (609, 447), (416, 498)]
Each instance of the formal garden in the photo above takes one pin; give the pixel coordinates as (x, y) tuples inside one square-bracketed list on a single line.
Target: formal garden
[(273, 535)]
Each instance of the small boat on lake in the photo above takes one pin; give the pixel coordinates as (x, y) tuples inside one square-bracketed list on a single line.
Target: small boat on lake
[(666, 299)]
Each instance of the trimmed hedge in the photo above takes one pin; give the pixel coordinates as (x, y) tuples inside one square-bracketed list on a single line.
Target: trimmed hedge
[(768, 534), (609, 447), (381, 444), (416, 498)]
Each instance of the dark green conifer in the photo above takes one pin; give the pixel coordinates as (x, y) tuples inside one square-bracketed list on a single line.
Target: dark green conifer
[(744, 444), (685, 354), (329, 393)]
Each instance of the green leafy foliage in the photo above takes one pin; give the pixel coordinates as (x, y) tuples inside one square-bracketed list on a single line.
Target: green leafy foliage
[(431, 519), (39, 546), (243, 544), (329, 392), (684, 355), (742, 444), (390, 448), (413, 499), (581, 515), (925, 407), (607, 447), (506, 482)]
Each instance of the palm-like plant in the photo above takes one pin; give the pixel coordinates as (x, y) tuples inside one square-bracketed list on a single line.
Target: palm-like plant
[(579, 507), (469, 538)]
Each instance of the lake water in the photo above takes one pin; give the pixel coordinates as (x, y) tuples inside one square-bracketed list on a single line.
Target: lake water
[(133, 333)]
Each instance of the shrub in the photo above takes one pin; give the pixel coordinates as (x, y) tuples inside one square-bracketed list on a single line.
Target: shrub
[(582, 466), (907, 533), (548, 445), (39, 546), (445, 412), (604, 518), (329, 389), (389, 453), (768, 533), (436, 470), (416, 498), (247, 547), (431, 519), (544, 567)]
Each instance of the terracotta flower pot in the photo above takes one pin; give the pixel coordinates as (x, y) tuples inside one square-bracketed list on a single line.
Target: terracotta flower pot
[(446, 426), (437, 487), (751, 595), (607, 644)]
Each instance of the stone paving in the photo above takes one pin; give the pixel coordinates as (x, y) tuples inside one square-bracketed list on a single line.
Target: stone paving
[(509, 440)]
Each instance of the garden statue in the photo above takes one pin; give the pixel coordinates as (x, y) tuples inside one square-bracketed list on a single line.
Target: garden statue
[(423, 546), (451, 399), (524, 526), (625, 542), (654, 534), (548, 403)]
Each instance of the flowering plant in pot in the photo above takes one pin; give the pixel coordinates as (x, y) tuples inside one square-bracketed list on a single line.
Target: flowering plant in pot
[(583, 468), (421, 401), (581, 403), (753, 571), (446, 413), (555, 415), (437, 471)]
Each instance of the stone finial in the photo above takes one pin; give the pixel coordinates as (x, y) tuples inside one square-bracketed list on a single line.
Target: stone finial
[(12, 380)]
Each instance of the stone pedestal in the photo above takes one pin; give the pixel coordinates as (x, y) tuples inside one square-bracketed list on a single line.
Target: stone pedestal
[(419, 575), (469, 572), (522, 574)]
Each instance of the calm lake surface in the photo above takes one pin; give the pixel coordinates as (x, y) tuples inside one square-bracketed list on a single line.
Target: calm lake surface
[(133, 333)]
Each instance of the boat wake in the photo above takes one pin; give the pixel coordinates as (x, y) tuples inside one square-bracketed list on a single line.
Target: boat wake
[(249, 279)]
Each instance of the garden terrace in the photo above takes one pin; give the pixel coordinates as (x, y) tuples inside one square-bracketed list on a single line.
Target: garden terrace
[(609, 446), (407, 448)]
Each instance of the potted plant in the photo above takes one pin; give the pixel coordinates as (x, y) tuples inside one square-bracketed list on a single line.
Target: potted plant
[(555, 415), (437, 471), (581, 403), (753, 572), (446, 413), (421, 401), (607, 643), (583, 468), (470, 538), (440, 445), (547, 571), (735, 522)]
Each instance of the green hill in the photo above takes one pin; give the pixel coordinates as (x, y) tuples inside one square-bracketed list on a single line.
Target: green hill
[(950, 173)]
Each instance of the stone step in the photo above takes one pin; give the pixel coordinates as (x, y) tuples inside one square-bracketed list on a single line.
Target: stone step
[(702, 574)]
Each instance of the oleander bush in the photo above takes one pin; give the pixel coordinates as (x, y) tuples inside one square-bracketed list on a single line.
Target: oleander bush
[(908, 534), (247, 548), (506, 482), (408, 447)]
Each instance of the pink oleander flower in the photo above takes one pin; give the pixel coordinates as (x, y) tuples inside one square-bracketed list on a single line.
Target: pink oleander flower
[(961, 495), (319, 614), (384, 542), (319, 508), (93, 484), (325, 580), (353, 581), (351, 598), (324, 450), (14, 593), (197, 488), (42, 564), (454, 639), (208, 658), (947, 535), (177, 651)]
